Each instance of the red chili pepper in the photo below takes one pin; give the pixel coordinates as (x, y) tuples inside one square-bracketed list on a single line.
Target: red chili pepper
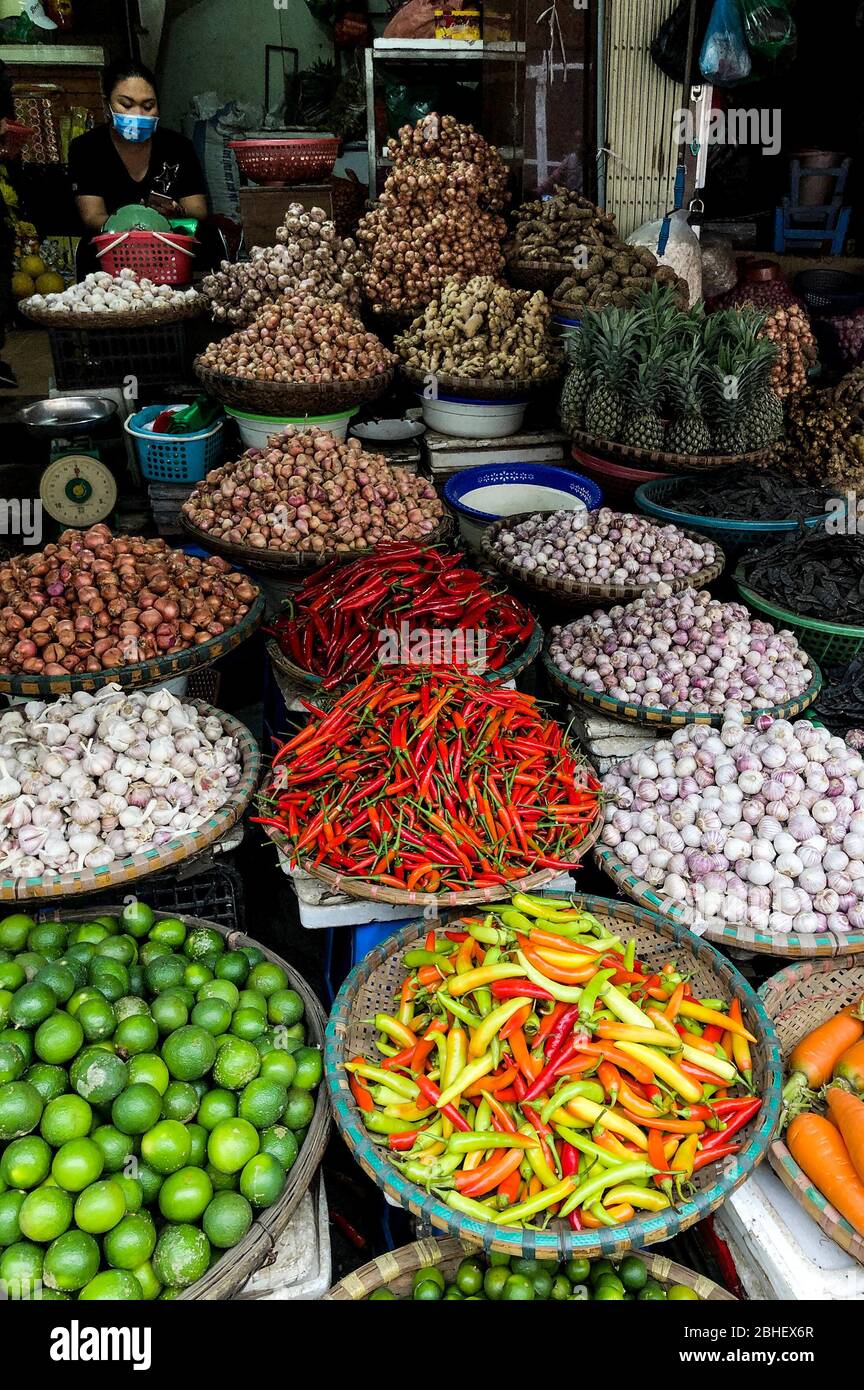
[(432, 1093), (565, 1051), (714, 1155), (733, 1123)]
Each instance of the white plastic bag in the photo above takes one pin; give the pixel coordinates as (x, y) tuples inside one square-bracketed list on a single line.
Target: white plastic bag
[(675, 244)]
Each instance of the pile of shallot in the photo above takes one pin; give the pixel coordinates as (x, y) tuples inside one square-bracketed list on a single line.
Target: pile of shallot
[(603, 547), (684, 651), (92, 779), (91, 601), (758, 825), (310, 492)]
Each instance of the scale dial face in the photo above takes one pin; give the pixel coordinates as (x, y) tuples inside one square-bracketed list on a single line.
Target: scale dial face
[(78, 490)]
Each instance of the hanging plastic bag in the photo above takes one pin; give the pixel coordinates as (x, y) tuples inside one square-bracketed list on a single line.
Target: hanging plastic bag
[(768, 26), (669, 49), (725, 58), (675, 244)]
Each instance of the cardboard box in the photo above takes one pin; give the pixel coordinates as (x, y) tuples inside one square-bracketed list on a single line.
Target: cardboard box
[(263, 209)]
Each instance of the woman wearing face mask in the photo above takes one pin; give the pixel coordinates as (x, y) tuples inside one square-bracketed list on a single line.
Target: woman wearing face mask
[(132, 158)]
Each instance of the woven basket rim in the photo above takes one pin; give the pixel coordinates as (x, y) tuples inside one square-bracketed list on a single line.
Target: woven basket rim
[(292, 398), (231, 1273), (69, 319), (282, 562), (165, 667), (796, 945), (136, 866), (643, 1230), (583, 590), (799, 619), (675, 463), (447, 1251), (481, 388), (653, 717), (737, 530)]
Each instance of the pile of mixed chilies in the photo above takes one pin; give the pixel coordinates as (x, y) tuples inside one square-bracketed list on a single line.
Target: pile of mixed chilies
[(535, 1068), (431, 780)]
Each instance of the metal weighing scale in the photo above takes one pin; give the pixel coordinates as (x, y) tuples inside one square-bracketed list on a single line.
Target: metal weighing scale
[(76, 489)]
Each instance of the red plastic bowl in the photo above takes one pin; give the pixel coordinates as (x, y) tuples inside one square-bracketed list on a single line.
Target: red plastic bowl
[(617, 480), (15, 139), (286, 161)]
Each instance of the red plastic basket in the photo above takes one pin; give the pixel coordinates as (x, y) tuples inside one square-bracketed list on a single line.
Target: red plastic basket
[(619, 483), (13, 142), (164, 257), (286, 161)]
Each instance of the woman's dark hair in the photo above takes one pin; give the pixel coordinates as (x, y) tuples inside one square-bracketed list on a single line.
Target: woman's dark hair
[(121, 70)]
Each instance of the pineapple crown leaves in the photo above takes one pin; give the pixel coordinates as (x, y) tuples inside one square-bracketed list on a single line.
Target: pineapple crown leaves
[(685, 377), (647, 387)]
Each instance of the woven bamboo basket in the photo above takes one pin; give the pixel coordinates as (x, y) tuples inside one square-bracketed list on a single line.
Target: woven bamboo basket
[(578, 592), (151, 861), (295, 561), (521, 662), (738, 936), (537, 275), (395, 1269), (657, 458), (227, 1277), (166, 667), (280, 398), (656, 718), (479, 388), (374, 985), (172, 313), (797, 1000)]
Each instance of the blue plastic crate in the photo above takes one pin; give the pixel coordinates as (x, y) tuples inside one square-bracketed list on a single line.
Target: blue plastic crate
[(174, 458)]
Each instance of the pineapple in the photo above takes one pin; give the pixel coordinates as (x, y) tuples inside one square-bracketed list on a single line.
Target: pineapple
[(688, 433), (643, 427), (762, 413), (727, 385), (571, 407), (615, 340)]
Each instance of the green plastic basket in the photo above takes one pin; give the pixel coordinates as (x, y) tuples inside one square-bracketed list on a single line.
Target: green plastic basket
[(832, 644)]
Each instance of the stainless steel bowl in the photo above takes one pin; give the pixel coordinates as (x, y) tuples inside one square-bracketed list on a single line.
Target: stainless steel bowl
[(68, 415)]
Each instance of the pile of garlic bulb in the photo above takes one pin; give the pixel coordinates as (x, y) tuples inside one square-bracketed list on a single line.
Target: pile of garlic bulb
[(125, 293), (88, 780)]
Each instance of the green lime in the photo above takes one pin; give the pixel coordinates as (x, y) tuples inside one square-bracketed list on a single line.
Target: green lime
[(78, 957), (99, 1207), (58, 978), (81, 996), (262, 1181), (220, 989), (166, 1146), (231, 1145), (153, 950), (20, 1038), (111, 924), (146, 1276), (48, 940), (132, 1192), (71, 1261), (496, 1258), (12, 1062), (285, 1006), (281, 1142), (427, 1292), (198, 1145), (253, 954), (278, 1066), (181, 992), (560, 1288), (189, 1053), (148, 1180), (632, 1273), (136, 1109), (237, 1063), (232, 966), (299, 1109), (227, 1219), (469, 1276), (186, 1195), (599, 1268), (518, 1289), (120, 948), (77, 1164), (163, 972), (130, 1242), (180, 1102), (137, 919), (382, 1296), (12, 977), (138, 1033), (88, 933), (111, 1286), (20, 1109), (45, 1214), (222, 1182), (309, 1068), (59, 1039), (248, 1024), (11, 1203), (49, 1081), (149, 1068), (32, 1005), (262, 1102), (182, 1255), (251, 999), (98, 1075), (542, 1281), (679, 1293), (97, 1018), (14, 931), (169, 1012), (494, 1280), (197, 974), (116, 1148), (6, 997), (652, 1292), (67, 1117), (31, 963), (25, 1162), (213, 1014), (201, 941), (216, 1106), (21, 1268), (605, 1291), (267, 977), (110, 977), (170, 930), (607, 1280)]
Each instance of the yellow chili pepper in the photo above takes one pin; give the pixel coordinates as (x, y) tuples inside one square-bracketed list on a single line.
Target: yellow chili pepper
[(469, 1074), (399, 1032), (483, 975), (710, 1062), (662, 1024), (482, 1036), (645, 1198), (648, 1037), (684, 1159), (534, 1154), (523, 1211), (665, 1068), (585, 1109), (689, 1009)]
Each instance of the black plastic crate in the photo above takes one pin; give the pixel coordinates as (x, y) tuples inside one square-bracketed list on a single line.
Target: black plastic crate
[(155, 356), (216, 894)]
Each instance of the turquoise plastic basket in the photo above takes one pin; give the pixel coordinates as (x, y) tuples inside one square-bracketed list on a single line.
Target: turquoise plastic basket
[(174, 458), (657, 499)]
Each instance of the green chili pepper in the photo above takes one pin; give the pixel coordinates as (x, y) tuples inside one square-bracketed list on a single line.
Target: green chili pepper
[(630, 954), (531, 1025), (523, 1211), (589, 1149), (586, 1193), (469, 1141), (591, 993), (483, 1118), (515, 921), (490, 936), (468, 1206), (424, 957), (591, 1090), (599, 1212), (460, 1011), (435, 1174), (388, 1124), (720, 1004)]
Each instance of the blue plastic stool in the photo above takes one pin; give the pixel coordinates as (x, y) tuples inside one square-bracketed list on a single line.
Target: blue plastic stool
[(348, 945)]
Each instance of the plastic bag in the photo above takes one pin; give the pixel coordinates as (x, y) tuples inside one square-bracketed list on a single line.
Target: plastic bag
[(725, 58), (669, 49), (768, 26), (719, 266), (416, 20), (675, 244)]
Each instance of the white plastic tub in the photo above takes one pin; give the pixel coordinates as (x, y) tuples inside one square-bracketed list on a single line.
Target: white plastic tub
[(255, 430), (481, 496), (474, 419)]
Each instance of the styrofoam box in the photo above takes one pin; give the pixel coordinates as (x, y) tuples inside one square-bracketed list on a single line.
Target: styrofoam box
[(779, 1251), (300, 1265)]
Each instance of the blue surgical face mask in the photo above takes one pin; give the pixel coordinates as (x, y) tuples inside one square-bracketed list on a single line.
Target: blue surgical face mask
[(134, 128)]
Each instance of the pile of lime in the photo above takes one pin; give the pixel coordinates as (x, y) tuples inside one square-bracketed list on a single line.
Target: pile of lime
[(516, 1280), (155, 1089)]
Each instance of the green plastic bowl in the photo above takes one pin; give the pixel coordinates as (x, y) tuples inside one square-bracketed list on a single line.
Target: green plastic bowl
[(832, 644)]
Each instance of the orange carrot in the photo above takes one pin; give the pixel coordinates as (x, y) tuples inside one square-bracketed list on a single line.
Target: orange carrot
[(850, 1068), (818, 1148), (847, 1112), (817, 1054)]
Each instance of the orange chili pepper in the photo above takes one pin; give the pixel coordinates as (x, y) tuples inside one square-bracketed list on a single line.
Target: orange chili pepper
[(612, 1144), (501, 1119), (525, 1062), (534, 1185), (621, 1060), (656, 1155), (619, 1214), (489, 1175), (509, 1188), (668, 1126), (361, 1093), (487, 1084), (515, 1021)]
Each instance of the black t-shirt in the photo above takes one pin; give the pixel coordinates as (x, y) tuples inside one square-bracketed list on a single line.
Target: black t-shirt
[(97, 171)]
